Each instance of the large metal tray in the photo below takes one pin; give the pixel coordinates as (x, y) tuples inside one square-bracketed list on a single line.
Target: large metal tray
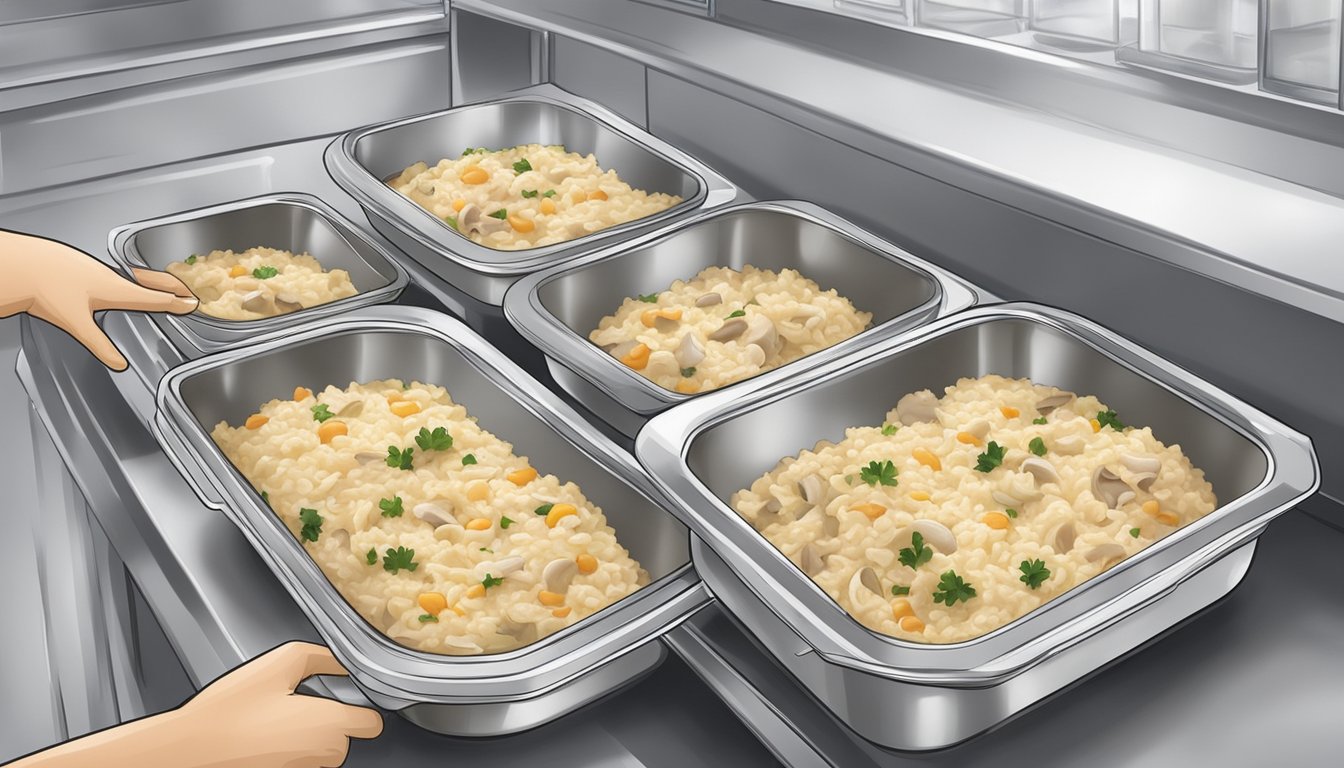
[(470, 696), (557, 308), (914, 696), (288, 221), (359, 161)]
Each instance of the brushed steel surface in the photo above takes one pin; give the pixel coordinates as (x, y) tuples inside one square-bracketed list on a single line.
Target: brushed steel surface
[(294, 222), (557, 308), (361, 159)]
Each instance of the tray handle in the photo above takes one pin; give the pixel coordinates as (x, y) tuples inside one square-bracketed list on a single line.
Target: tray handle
[(186, 462)]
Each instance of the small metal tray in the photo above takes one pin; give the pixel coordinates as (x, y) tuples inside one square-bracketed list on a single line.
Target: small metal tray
[(461, 695), (290, 221), (557, 308), (915, 696), (360, 160)]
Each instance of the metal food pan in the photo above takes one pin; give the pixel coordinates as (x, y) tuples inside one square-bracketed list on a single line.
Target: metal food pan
[(556, 309), (290, 221), (360, 160), (920, 696), (461, 695)]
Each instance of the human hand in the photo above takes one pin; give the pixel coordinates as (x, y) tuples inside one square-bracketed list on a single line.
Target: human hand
[(65, 286)]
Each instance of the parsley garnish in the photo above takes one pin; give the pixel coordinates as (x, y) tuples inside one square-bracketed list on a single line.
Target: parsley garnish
[(191, 259), (1108, 419), (487, 549), (522, 166), (876, 472), (897, 589), (889, 429), (372, 556), (451, 221), (391, 507), (469, 459), (426, 618), (649, 298), (399, 459), (490, 581), (312, 524), (321, 413), (1036, 446), (399, 559), (991, 458), (505, 522), (265, 273), (916, 554), (529, 193), (266, 497), (688, 372), (1011, 512), (475, 151), (548, 193), (1040, 420), (1134, 532), (544, 509), (737, 313), (1034, 573), (438, 440), (952, 588), (501, 214)]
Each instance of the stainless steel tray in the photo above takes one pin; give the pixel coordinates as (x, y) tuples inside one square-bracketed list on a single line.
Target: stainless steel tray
[(359, 161), (289, 221), (914, 696), (471, 696), (557, 308)]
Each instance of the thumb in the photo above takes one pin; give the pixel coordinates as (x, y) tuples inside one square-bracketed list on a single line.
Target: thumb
[(86, 331)]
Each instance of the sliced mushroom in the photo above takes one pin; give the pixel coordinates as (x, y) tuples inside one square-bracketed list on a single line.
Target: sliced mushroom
[(811, 560), (1005, 499), (868, 578), (559, 573), (917, 407), (1141, 464), (504, 567), (1045, 405), (665, 324), (811, 489), (1110, 489), (662, 363), (935, 534), (690, 351), (287, 302), (490, 224), (830, 527), (769, 512), (351, 410), (729, 330), (979, 428), (620, 349), (1144, 480), (761, 332), (863, 582), (1042, 470), (1068, 445), (435, 513), (755, 355), (460, 644), (258, 301), (1106, 554), (709, 299), (341, 537), (1063, 538), (469, 219), (369, 457)]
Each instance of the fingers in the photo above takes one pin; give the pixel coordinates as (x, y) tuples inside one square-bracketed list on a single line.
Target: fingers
[(161, 281), (356, 722), (297, 661), (86, 332), (123, 294)]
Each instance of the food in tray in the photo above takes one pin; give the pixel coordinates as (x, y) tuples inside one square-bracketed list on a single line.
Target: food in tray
[(259, 282), (962, 513), (526, 196), (430, 526), (725, 325)]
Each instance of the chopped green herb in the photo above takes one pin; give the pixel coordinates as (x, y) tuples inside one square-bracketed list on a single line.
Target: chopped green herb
[(1036, 446), (487, 549), (883, 472), (991, 458), (266, 497), (469, 459), (312, 524), (649, 298), (191, 259), (1108, 419), (399, 559), (425, 618), (1010, 512), (952, 588), (737, 313), (897, 589), (1134, 532), (1040, 420), (451, 221), (849, 479), (391, 507), (688, 372), (1034, 573), (399, 459), (889, 429), (505, 522), (372, 556), (474, 151), (522, 166), (321, 413), (529, 193), (754, 302), (438, 440), (265, 273), (544, 509), (501, 214), (490, 581), (548, 193), (916, 554)]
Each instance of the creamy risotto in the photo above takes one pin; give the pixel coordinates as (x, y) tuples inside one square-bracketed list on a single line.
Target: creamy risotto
[(724, 325), (527, 196), (259, 282), (433, 529), (962, 513)]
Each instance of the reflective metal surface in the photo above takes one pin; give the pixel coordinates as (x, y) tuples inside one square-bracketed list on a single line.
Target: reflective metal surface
[(292, 222), (556, 309), (361, 159), (704, 450)]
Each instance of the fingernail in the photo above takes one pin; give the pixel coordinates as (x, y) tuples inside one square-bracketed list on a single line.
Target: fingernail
[(183, 305)]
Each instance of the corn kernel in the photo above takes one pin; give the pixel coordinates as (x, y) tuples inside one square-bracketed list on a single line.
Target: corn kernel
[(459, 204), (521, 223), (551, 598), (432, 602), (394, 398), (476, 590), (561, 613), (597, 194), (522, 476), (404, 408), (649, 317), (1151, 507), (579, 196), (459, 610), (237, 270), (967, 438), (479, 524), (478, 491), (330, 430), (1167, 518), (587, 563), (687, 387), (475, 175), (559, 511), (638, 357), (919, 495), (900, 608), (872, 511), (302, 393), (926, 457), (996, 520), (1096, 425), (1010, 412), (912, 624), (547, 206), (255, 421)]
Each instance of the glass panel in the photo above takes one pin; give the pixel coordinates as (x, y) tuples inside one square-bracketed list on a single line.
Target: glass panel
[(1302, 48), (982, 18), (1104, 22), (899, 11)]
